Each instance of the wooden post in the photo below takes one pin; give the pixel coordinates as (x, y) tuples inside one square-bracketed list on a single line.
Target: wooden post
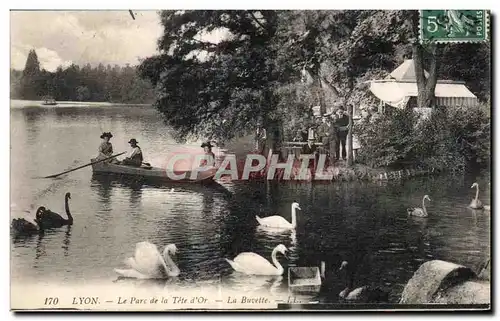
[(349, 136)]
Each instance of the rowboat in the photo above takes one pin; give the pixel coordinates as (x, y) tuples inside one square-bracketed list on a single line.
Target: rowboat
[(154, 173), (49, 102)]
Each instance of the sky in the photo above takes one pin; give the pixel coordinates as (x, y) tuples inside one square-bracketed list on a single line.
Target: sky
[(64, 37)]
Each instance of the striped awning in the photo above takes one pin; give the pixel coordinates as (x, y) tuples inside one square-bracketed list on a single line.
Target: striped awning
[(396, 94)]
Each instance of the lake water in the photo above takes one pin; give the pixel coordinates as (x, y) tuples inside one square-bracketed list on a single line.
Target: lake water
[(365, 224)]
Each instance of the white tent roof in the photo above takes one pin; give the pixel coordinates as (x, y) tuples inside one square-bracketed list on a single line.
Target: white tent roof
[(397, 93), (406, 71)]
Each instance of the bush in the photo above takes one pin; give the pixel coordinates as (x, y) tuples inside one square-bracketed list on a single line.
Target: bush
[(433, 144), (471, 130), (388, 141), (452, 138)]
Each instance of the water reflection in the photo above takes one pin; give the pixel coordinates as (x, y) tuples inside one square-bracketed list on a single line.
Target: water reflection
[(280, 236), (67, 241), (39, 250), (135, 195), (104, 185), (152, 284), (254, 284)]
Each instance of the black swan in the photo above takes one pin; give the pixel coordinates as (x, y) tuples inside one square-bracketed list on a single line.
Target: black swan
[(23, 226), (362, 294), (49, 219)]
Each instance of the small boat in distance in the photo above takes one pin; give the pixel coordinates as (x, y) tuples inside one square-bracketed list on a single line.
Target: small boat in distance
[(153, 173), (49, 101)]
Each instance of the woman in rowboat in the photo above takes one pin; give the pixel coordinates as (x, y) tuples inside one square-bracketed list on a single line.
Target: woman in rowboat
[(106, 148)]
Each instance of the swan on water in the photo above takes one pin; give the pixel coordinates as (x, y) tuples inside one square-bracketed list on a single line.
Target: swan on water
[(277, 221), (49, 219), (362, 294), (417, 211), (476, 202), (22, 225), (251, 263), (148, 263)]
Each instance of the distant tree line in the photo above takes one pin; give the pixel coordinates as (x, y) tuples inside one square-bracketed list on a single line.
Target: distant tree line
[(75, 83)]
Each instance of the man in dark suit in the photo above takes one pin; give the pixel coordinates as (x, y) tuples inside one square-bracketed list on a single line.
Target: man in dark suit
[(342, 124), (310, 149)]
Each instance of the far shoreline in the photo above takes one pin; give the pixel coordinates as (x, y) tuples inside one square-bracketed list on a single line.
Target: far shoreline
[(20, 103)]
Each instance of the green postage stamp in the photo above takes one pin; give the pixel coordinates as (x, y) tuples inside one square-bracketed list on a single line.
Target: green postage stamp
[(454, 25)]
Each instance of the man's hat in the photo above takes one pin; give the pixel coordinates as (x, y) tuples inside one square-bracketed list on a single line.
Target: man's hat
[(206, 144), (106, 134), (132, 141)]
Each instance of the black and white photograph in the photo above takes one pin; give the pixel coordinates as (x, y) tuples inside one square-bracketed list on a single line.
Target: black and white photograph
[(250, 160)]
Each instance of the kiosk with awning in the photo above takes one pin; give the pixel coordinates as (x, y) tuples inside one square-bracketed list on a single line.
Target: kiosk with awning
[(399, 90)]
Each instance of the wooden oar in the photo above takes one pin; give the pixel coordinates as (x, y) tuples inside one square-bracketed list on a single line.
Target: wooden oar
[(74, 169)]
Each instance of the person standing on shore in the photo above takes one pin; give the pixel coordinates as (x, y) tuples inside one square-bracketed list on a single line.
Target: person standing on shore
[(333, 134), (325, 132), (310, 149), (260, 139), (342, 124)]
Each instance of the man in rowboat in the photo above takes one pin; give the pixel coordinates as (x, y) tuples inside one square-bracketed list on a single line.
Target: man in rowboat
[(106, 148), (135, 158)]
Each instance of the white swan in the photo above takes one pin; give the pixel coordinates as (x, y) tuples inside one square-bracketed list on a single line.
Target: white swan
[(476, 202), (277, 221), (417, 211), (251, 263), (148, 263)]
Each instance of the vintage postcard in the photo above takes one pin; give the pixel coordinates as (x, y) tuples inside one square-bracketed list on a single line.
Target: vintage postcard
[(250, 160)]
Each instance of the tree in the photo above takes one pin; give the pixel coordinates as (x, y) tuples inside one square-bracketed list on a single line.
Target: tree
[(82, 93), (15, 83), (31, 73), (202, 82), (469, 62), (426, 85)]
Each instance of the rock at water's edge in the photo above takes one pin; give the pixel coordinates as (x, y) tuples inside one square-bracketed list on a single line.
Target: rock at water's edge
[(444, 282)]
